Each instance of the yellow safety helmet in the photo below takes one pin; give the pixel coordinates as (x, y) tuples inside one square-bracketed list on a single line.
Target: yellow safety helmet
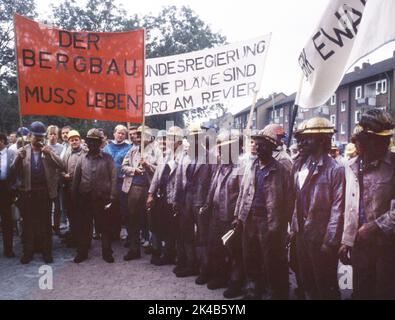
[(315, 126)]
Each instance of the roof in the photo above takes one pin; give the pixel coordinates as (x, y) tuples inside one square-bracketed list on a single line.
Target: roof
[(289, 99), (259, 103), (369, 71)]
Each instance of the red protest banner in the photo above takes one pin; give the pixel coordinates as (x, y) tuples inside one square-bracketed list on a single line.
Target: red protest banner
[(88, 75)]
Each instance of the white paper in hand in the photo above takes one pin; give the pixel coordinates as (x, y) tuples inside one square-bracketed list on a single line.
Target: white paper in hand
[(225, 238)]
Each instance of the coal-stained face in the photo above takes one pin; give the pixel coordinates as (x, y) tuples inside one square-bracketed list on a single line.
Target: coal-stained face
[(37, 141), (371, 146), (308, 144), (264, 149), (93, 145)]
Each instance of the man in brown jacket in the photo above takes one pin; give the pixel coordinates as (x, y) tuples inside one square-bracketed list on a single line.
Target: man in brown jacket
[(161, 197), (264, 207), (225, 263), (94, 189), (368, 242), (317, 224), (35, 166)]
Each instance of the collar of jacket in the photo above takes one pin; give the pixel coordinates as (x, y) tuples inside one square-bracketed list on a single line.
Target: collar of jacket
[(272, 165), (79, 151), (388, 159), (99, 155), (174, 155)]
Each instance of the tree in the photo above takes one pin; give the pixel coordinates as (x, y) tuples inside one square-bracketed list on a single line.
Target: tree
[(96, 15), (9, 113)]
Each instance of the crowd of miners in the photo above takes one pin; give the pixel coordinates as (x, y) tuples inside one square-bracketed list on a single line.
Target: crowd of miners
[(235, 211)]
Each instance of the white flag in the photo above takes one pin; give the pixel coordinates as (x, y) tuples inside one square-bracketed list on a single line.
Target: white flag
[(348, 31), (205, 77)]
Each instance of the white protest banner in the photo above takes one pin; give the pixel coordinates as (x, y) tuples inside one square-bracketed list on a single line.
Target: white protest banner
[(348, 31), (205, 77)]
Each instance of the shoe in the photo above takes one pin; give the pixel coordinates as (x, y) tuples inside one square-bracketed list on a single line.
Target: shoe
[(96, 236), (108, 258), (166, 260), (216, 283), (47, 258), (63, 226), (145, 244), (233, 291), (132, 255), (25, 259), (155, 260), (80, 258), (124, 234), (177, 268), (201, 279), (148, 250), (9, 254), (186, 272), (251, 295)]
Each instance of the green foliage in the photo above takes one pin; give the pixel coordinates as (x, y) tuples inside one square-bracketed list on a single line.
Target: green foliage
[(173, 31), (7, 50)]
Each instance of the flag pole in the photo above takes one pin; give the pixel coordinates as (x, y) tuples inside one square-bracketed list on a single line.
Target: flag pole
[(17, 73), (143, 98), (295, 111)]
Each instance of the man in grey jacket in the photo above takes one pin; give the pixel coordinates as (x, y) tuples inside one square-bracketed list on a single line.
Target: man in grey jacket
[(317, 221), (138, 169), (368, 242), (193, 179), (161, 198), (225, 263)]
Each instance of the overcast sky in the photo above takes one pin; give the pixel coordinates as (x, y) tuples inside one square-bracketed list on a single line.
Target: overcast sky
[(290, 22)]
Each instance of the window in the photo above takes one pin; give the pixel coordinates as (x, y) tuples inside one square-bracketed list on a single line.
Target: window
[(281, 112), (381, 86), (342, 129), (333, 100), (343, 106), (277, 113), (358, 92), (333, 119), (286, 118), (357, 116)]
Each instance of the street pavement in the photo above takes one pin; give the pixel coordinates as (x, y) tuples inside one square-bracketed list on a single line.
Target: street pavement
[(98, 280)]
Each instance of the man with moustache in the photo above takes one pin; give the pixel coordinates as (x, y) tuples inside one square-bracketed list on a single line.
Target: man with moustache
[(35, 167)]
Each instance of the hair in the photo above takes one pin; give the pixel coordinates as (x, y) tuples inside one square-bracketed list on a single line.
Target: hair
[(66, 127), (3, 137), (133, 128), (53, 128), (121, 127), (13, 132)]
